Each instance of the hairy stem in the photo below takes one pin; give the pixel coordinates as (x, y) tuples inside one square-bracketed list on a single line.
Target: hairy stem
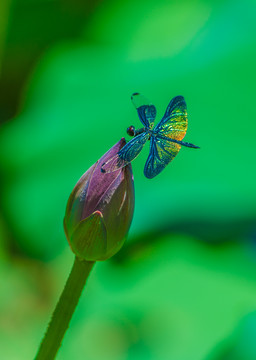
[(64, 310)]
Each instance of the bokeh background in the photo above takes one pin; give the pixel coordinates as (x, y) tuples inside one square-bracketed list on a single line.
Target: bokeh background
[(184, 285)]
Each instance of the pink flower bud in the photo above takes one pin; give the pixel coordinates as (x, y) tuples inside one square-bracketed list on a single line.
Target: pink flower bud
[(100, 209)]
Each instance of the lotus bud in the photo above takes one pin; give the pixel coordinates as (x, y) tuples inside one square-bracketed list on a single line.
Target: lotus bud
[(100, 210)]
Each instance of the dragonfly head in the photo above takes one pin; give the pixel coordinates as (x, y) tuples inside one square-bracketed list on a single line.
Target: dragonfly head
[(131, 130)]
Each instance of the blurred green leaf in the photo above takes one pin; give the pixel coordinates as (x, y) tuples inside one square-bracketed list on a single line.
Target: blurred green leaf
[(27, 29)]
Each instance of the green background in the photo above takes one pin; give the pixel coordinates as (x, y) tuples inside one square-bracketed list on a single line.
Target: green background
[(184, 285)]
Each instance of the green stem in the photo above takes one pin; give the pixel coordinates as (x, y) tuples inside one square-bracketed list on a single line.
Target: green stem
[(64, 310)]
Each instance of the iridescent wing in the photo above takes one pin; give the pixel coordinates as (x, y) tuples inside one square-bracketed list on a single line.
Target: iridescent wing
[(174, 122), (128, 153), (162, 151), (146, 111)]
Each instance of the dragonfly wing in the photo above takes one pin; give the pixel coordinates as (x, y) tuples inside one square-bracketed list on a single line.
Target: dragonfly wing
[(162, 152), (132, 149), (128, 153), (146, 111), (174, 123)]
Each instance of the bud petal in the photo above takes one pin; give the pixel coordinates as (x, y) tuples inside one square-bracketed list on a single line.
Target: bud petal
[(89, 239)]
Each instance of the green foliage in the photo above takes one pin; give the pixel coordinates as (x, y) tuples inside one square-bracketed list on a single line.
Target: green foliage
[(165, 293)]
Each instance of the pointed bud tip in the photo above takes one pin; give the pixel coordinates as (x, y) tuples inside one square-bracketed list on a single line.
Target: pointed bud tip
[(135, 94)]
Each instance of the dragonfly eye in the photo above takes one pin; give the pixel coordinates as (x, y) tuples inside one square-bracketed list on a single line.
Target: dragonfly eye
[(131, 130)]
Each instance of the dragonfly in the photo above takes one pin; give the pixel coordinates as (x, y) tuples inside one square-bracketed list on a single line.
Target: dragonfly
[(165, 138)]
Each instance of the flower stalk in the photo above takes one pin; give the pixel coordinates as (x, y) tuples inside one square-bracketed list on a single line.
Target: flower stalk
[(64, 310)]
